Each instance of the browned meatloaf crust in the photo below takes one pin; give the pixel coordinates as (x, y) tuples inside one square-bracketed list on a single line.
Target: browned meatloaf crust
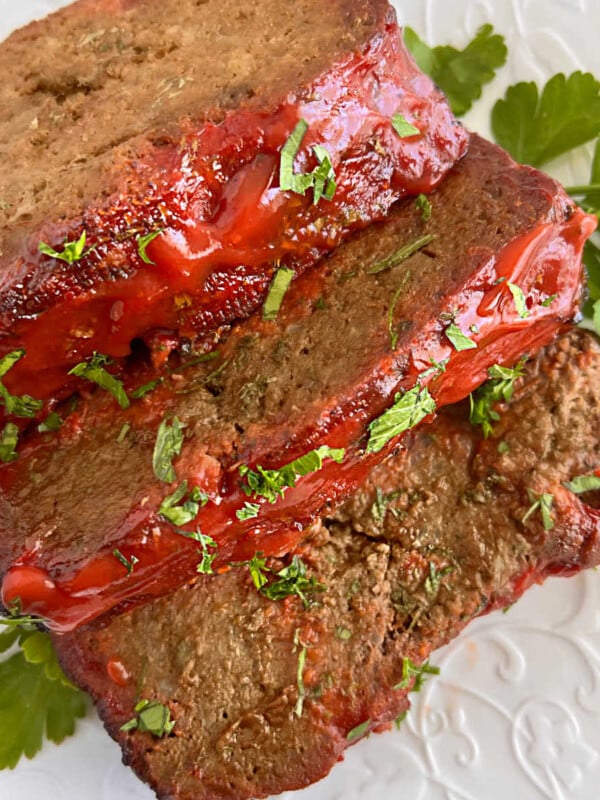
[(345, 341), (123, 119), (434, 539)]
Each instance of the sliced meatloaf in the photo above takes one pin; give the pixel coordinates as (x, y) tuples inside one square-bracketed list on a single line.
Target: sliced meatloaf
[(149, 186), (362, 350), (266, 695)]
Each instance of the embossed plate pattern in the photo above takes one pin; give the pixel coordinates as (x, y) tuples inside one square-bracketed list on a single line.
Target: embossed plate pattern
[(516, 710)]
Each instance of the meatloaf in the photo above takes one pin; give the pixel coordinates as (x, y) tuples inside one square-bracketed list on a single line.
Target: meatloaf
[(149, 186), (266, 695), (362, 349)]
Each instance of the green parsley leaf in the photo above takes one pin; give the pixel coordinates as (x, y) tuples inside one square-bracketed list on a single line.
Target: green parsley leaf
[(434, 579), (21, 406), (249, 511), (291, 580), (500, 387), (407, 411), (279, 286), (519, 298), (423, 204), (343, 633), (36, 698), (144, 389), (299, 707), (129, 564), (72, 252), (359, 731), (169, 441), (178, 513), (406, 251), (272, 483), (461, 74), (380, 504), (53, 422), (403, 127), (583, 483), (144, 241), (536, 128), (93, 370), (400, 719), (150, 717), (8, 443), (321, 179), (459, 340), (257, 567), (417, 673), (543, 504)]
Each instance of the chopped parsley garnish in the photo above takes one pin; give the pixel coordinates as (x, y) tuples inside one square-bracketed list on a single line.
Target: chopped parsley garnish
[(380, 504), (459, 340), (343, 633), (543, 504), (180, 508), (500, 387), (272, 483), (536, 127), (291, 580), (299, 707), (249, 511), (434, 579), (321, 179), (144, 389), (144, 241), (279, 286), (519, 298), (406, 251), (150, 717), (403, 127), (129, 564), (169, 441), (417, 673), (53, 422), (583, 484), (437, 368), (394, 334), (359, 731), (8, 443), (408, 410), (549, 300), (36, 698), (21, 406), (72, 252), (423, 204), (400, 719), (461, 74), (207, 543), (93, 370), (125, 428)]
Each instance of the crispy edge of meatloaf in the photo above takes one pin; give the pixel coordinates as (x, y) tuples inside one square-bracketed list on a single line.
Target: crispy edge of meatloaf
[(435, 538)]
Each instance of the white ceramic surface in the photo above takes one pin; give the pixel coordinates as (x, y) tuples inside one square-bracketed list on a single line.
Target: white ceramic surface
[(516, 710)]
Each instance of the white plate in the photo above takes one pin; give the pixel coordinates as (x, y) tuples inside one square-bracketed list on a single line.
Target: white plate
[(516, 710)]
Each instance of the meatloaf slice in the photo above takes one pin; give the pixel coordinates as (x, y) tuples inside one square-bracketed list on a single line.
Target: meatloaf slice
[(154, 129), (435, 538), (323, 374)]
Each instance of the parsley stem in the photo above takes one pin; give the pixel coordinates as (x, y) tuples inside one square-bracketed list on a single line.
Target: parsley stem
[(584, 189)]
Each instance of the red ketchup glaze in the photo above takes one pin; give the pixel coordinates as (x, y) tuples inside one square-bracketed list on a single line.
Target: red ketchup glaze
[(226, 224), (544, 262)]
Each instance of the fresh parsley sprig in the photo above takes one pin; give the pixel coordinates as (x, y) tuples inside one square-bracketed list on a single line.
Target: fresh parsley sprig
[(415, 674), (461, 74), (37, 700), (538, 126), (277, 585), (169, 441)]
